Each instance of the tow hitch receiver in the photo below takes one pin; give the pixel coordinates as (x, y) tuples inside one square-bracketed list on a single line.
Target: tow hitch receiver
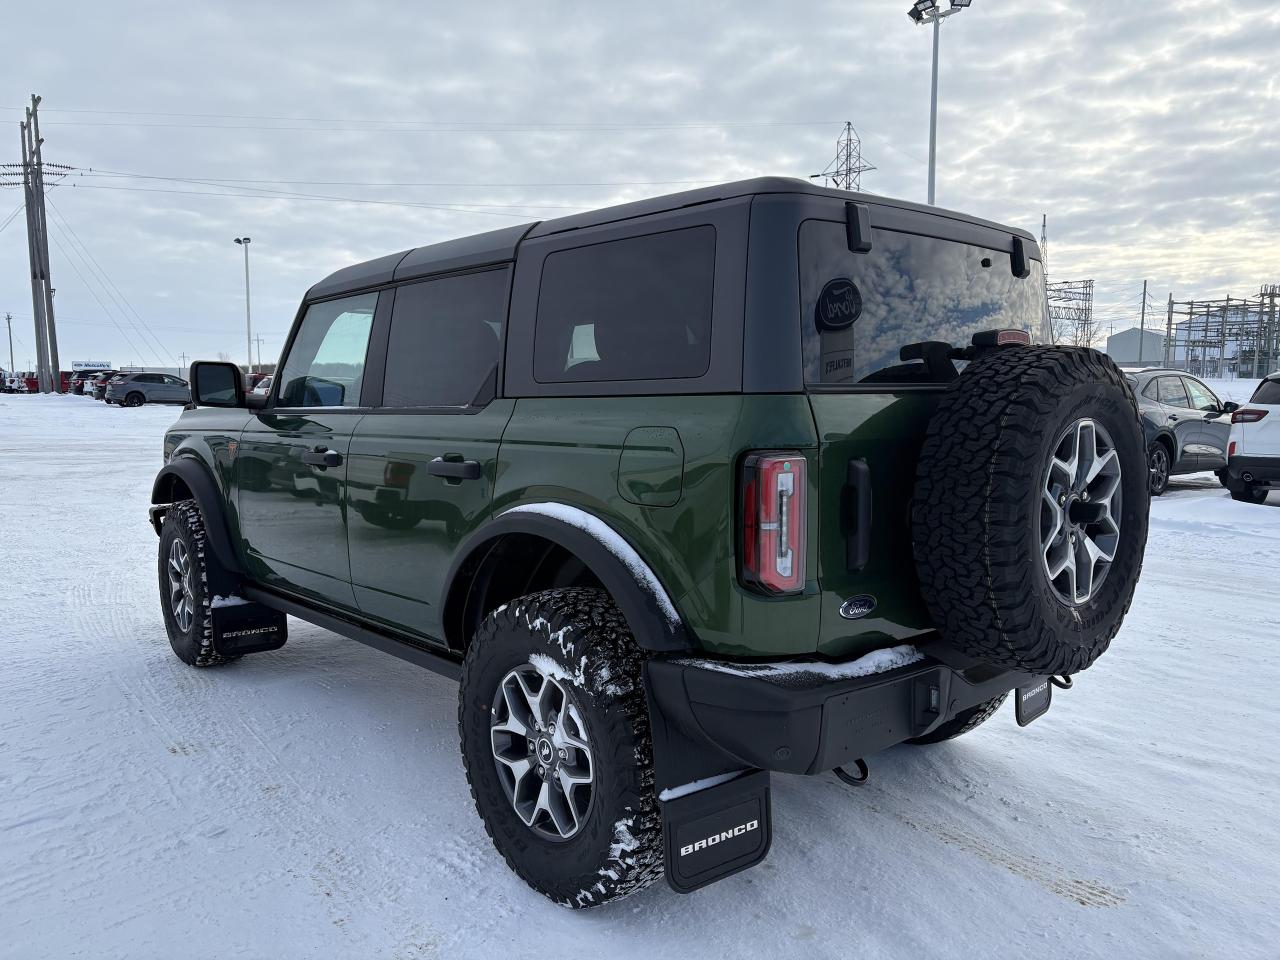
[(247, 628), (717, 832)]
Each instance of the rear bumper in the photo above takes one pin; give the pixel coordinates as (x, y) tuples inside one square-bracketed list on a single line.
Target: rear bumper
[(805, 722), (1260, 471)]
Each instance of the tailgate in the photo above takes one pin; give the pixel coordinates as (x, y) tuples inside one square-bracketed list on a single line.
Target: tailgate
[(881, 433)]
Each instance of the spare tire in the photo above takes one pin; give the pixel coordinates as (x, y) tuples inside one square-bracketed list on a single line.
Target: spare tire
[(1029, 518)]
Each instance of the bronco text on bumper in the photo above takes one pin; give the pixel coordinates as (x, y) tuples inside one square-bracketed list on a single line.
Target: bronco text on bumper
[(685, 493)]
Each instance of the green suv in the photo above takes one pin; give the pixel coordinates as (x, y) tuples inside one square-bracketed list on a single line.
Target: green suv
[(759, 478)]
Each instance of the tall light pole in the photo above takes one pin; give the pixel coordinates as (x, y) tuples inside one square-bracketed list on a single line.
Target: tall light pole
[(922, 12), (248, 326)]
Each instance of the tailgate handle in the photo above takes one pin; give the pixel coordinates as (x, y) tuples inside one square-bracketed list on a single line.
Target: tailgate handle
[(856, 510)]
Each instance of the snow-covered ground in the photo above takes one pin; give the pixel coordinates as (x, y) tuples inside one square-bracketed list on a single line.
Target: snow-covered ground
[(311, 803)]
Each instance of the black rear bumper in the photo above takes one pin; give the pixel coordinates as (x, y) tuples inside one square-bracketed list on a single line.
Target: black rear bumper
[(1259, 471), (800, 721)]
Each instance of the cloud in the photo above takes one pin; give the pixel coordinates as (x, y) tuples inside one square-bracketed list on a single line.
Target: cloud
[(1149, 139)]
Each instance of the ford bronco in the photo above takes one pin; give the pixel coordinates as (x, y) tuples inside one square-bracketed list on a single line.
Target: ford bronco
[(749, 480)]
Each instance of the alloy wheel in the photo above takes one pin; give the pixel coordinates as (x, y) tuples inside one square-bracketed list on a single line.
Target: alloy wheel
[(542, 750), (181, 600), (1080, 512)]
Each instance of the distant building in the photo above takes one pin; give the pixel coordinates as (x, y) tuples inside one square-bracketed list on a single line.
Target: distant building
[(1122, 347)]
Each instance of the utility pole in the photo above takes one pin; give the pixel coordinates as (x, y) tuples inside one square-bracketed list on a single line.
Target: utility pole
[(258, 341), (37, 300), (922, 12), (248, 327), (48, 367), (182, 358), (1142, 324), (8, 322), (51, 329)]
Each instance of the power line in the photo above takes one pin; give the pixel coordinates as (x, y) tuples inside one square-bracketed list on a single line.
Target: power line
[(402, 183)]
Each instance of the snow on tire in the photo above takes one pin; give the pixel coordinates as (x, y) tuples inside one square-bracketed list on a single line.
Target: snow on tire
[(184, 586), (1029, 518), (555, 740)]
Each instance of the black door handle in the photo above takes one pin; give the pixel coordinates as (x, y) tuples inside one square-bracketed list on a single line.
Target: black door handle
[(322, 457), (454, 469), (1173, 417)]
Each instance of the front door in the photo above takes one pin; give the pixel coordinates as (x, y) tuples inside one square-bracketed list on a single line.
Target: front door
[(1182, 421), (291, 462), (423, 463), (1215, 425)]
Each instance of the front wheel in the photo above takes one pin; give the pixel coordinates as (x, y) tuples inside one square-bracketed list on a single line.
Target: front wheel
[(556, 745), (184, 586), (1158, 466)]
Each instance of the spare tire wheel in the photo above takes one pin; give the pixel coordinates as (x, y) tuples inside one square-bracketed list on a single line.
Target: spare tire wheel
[(1029, 518)]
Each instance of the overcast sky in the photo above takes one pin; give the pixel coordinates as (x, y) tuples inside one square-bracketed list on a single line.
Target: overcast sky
[(1148, 132)]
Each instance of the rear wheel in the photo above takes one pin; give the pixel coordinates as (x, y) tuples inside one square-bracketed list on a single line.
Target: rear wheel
[(962, 722), (134, 399), (1247, 493), (1158, 465), (555, 741)]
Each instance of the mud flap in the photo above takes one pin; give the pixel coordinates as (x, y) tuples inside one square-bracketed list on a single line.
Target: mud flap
[(716, 832), (241, 628)]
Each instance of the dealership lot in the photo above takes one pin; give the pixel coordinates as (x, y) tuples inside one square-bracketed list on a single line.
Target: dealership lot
[(310, 801)]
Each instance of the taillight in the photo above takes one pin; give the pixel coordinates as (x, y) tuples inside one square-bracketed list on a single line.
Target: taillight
[(1248, 415), (1231, 449), (773, 522)]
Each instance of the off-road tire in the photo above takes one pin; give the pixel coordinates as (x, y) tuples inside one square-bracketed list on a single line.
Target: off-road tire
[(1159, 467), (1247, 493), (618, 849), (962, 722), (193, 646), (978, 496)]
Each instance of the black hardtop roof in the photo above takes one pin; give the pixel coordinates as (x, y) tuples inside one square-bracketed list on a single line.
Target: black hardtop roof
[(497, 246)]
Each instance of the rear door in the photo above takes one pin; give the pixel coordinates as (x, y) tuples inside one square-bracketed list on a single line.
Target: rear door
[(291, 463), (1183, 422), (423, 462)]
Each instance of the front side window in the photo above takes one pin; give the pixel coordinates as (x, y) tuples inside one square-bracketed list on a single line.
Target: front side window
[(858, 310), (632, 309), (1171, 392), (1202, 397), (445, 339), (325, 366)]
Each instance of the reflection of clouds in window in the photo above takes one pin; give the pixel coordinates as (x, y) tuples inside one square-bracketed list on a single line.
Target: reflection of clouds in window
[(913, 288)]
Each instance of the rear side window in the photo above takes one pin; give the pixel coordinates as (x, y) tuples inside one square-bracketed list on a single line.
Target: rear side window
[(632, 309), (859, 309), (1268, 392), (445, 339), (1171, 392), (325, 366)]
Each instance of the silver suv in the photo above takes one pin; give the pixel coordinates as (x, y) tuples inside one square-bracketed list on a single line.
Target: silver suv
[(135, 389)]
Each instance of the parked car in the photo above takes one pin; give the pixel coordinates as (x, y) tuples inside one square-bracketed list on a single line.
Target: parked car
[(15, 385), (135, 389), (81, 382), (1253, 454), (98, 385), (1185, 426), (263, 386), (686, 493)]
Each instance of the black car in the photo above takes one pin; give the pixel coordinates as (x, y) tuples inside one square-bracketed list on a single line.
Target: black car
[(1185, 425)]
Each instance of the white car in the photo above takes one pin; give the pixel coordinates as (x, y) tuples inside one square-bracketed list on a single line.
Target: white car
[(15, 385), (1253, 452), (264, 386)]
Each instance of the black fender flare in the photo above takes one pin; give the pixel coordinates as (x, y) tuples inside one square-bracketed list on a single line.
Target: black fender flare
[(197, 478), (639, 594)]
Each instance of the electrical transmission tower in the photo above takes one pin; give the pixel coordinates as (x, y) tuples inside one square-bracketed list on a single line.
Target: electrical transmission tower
[(846, 170), (1071, 312), (35, 173)]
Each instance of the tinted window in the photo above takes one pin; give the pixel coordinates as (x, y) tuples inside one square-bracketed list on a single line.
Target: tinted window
[(445, 339), (1170, 391), (633, 309), (1268, 392), (325, 367), (1149, 391), (857, 310), (1202, 397)]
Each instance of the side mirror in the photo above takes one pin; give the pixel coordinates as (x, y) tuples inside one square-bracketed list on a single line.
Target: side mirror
[(1230, 407), (216, 384)]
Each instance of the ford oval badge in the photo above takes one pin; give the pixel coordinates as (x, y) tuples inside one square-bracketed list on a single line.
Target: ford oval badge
[(855, 608), (839, 305)]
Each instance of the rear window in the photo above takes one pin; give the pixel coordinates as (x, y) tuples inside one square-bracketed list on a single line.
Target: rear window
[(859, 309), (1268, 392), (631, 309)]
